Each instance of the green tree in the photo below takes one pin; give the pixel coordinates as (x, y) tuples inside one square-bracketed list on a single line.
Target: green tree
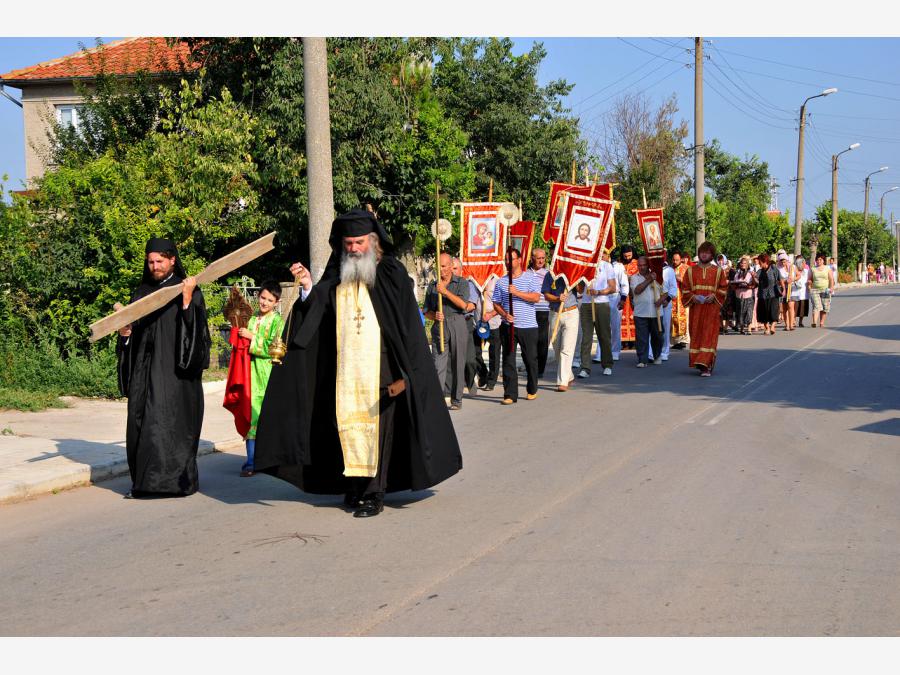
[(77, 246), (390, 136), (519, 134)]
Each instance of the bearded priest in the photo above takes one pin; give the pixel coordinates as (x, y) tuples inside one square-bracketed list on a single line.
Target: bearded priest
[(357, 408)]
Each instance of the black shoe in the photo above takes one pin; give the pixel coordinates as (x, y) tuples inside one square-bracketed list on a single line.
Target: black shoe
[(129, 495), (370, 505), (490, 386), (351, 500), (455, 405)]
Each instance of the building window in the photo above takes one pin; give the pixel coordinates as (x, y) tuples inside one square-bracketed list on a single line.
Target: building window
[(69, 115)]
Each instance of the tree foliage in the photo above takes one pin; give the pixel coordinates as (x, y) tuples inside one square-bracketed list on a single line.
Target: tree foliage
[(519, 134), (76, 246)]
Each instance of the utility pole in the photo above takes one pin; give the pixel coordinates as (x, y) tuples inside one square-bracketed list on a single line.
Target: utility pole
[(798, 204), (834, 209), (834, 201), (865, 267), (699, 206), (318, 152)]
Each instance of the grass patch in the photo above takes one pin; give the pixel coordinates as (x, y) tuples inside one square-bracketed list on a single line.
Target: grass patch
[(12, 398)]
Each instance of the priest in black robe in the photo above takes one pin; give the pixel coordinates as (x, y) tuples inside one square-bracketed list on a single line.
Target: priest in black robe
[(357, 408), (161, 358)]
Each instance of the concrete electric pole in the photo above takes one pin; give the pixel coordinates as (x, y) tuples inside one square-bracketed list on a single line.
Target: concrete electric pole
[(798, 205), (834, 201), (318, 152), (699, 206)]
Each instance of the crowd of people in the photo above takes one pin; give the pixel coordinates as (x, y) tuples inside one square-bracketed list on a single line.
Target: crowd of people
[(361, 402), (624, 305)]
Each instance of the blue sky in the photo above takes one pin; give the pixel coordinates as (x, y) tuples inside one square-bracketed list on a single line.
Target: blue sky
[(752, 100)]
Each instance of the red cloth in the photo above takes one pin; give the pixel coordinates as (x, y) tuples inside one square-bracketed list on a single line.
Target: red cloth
[(237, 388), (575, 256)]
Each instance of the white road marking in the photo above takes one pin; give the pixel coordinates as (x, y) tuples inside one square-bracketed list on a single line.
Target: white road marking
[(731, 397)]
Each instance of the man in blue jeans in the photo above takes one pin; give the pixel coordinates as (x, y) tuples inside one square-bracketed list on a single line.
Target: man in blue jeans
[(646, 305)]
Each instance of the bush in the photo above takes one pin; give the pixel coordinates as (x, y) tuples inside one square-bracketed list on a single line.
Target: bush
[(43, 369)]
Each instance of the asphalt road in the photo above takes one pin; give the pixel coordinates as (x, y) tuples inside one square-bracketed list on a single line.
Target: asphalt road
[(761, 501)]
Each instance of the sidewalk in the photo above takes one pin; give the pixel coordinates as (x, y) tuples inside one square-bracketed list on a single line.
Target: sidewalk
[(62, 448)]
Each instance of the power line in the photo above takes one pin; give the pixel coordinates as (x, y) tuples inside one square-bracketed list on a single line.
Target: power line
[(671, 44), (814, 70), (742, 110), (602, 89), (740, 92), (649, 86), (749, 86), (813, 84), (659, 56)]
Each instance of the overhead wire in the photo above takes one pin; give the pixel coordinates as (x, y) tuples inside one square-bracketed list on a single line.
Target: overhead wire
[(814, 70), (593, 127), (759, 96), (814, 84), (646, 51), (602, 89), (741, 109), (751, 103)]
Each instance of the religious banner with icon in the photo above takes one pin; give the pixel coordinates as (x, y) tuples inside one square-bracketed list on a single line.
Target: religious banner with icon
[(586, 222), (482, 242), (521, 237), (553, 216), (650, 225)]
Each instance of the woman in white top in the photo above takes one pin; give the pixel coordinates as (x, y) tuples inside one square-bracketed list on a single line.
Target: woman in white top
[(799, 296), (785, 270)]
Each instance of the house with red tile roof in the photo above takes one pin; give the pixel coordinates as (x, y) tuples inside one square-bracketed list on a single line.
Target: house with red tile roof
[(49, 89)]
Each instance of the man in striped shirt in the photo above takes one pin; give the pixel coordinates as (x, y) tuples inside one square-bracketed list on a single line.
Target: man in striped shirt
[(525, 292)]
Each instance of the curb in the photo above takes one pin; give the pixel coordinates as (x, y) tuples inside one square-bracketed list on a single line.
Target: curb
[(84, 474)]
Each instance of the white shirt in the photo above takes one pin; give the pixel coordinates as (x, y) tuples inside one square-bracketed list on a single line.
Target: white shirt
[(605, 272), (798, 288), (669, 282), (495, 321), (643, 302), (621, 278)]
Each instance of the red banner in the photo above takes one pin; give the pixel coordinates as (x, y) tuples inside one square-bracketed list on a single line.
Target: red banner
[(586, 222), (553, 216), (482, 242), (521, 236), (650, 225)]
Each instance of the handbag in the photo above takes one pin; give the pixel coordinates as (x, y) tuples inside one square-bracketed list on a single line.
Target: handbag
[(483, 329)]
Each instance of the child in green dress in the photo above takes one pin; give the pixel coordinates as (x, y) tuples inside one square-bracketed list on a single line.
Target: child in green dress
[(262, 329)]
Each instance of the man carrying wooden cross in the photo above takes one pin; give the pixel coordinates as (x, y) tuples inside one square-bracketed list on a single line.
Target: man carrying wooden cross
[(161, 358)]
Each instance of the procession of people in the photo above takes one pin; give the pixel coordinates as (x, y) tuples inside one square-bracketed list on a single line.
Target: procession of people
[(360, 403)]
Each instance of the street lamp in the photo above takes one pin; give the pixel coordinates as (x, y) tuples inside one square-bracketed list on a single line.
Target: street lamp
[(834, 203), (798, 207), (896, 241), (866, 223), (882, 199)]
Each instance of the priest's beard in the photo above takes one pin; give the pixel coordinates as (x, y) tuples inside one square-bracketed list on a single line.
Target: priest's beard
[(359, 267)]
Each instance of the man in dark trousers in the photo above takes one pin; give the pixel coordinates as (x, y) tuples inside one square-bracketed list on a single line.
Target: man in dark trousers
[(356, 408), (161, 358), (520, 326)]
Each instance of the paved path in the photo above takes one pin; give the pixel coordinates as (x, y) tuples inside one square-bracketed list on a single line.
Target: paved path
[(61, 448), (762, 501)]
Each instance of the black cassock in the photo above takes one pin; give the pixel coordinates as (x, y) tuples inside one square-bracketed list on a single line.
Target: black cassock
[(297, 438), (160, 368)]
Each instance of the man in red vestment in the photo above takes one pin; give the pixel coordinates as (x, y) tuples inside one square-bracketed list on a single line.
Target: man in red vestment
[(704, 289)]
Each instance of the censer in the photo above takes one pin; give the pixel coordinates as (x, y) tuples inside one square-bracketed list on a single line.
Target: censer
[(278, 349)]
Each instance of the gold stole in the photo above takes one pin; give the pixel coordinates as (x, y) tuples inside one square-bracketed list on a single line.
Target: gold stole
[(358, 379)]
